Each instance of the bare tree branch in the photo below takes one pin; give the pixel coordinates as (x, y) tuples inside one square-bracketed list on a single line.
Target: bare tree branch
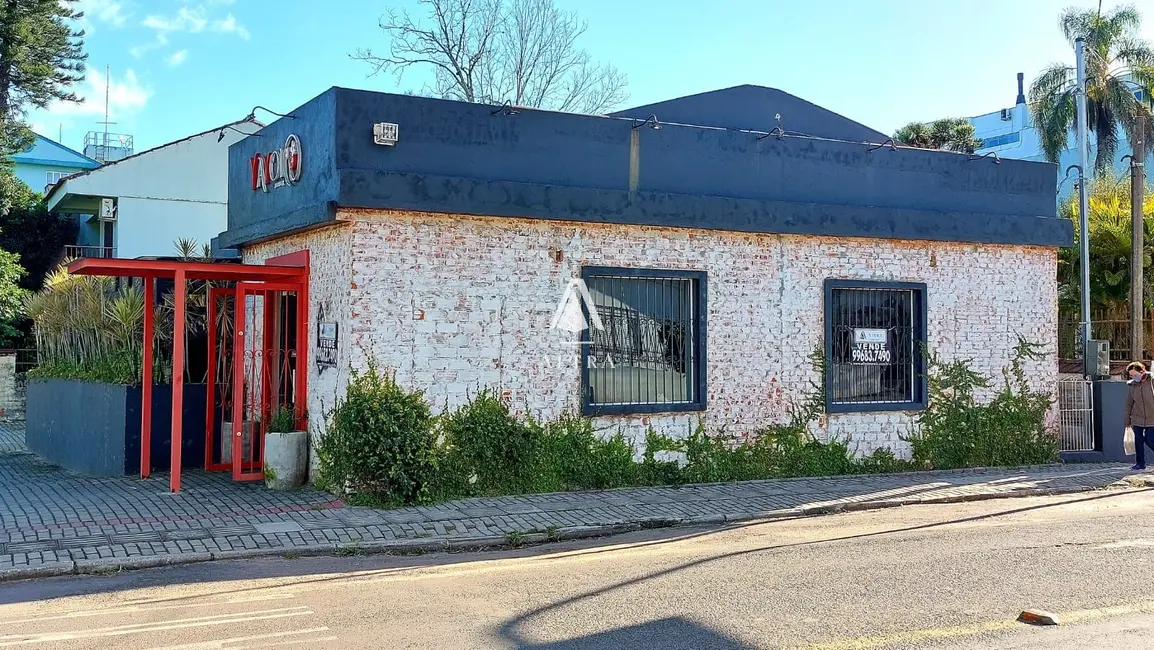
[(523, 52)]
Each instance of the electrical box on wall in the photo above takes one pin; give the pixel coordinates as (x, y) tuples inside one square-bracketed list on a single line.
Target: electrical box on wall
[(1098, 358)]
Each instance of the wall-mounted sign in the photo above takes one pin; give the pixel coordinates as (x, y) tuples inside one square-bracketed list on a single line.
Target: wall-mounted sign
[(871, 347), (326, 345), (277, 168), (385, 133)]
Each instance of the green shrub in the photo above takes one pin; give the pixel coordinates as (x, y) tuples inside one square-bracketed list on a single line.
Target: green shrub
[(490, 451), (883, 461), (282, 420), (576, 458), (659, 472), (955, 431), (379, 443)]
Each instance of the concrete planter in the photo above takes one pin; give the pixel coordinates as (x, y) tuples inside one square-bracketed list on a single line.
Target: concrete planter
[(286, 461)]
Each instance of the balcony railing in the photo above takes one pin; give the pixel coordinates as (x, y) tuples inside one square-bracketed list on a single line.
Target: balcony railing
[(73, 252)]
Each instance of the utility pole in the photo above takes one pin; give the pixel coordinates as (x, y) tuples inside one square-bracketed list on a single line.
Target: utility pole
[(1083, 202), (1137, 241)]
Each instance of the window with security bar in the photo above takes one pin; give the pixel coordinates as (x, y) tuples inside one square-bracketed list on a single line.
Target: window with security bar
[(644, 348), (875, 336)]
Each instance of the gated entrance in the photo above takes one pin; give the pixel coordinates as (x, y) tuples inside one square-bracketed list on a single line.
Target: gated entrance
[(257, 318), (257, 367), (1076, 414)]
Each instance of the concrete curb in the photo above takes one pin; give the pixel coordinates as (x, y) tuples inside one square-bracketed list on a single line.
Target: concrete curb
[(110, 566)]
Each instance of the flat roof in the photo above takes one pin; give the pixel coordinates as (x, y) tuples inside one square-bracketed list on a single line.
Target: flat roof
[(112, 267)]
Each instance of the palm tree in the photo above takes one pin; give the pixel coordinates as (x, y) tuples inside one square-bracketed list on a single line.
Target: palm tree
[(1117, 64), (950, 134)]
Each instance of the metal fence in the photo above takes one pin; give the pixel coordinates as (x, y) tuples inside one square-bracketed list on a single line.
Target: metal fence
[(1116, 331), (1076, 414)]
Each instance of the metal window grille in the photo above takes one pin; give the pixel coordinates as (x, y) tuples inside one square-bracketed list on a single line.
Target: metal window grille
[(875, 351), (647, 349)]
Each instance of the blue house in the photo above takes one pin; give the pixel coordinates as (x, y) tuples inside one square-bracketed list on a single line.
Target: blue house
[(46, 162)]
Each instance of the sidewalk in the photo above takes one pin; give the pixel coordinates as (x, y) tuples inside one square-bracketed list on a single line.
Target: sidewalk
[(53, 522)]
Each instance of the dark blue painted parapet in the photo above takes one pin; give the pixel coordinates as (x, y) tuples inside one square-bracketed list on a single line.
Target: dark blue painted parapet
[(474, 159)]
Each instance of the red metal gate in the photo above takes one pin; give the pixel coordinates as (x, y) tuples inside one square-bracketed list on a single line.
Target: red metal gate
[(258, 333)]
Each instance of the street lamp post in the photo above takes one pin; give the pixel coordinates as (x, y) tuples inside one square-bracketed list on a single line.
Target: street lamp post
[(1083, 202)]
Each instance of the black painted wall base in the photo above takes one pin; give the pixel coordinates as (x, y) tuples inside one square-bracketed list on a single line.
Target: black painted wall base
[(94, 428)]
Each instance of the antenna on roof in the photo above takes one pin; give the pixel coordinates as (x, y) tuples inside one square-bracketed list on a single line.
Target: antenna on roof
[(107, 80)]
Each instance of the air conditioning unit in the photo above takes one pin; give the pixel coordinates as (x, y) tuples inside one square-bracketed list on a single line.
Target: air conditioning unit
[(107, 210), (1007, 114)]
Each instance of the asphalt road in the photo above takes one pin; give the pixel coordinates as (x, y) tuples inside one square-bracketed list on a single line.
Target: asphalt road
[(920, 577)]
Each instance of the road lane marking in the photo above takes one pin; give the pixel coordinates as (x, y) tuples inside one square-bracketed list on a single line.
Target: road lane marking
[(221, 643), (127, 609), (156, 626), (917, 636)]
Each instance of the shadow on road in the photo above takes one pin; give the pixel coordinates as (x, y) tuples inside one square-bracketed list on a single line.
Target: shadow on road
[(324, 570), (663, 634)]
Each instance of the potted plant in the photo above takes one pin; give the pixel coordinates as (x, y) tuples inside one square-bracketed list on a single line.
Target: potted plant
[(285, 451)]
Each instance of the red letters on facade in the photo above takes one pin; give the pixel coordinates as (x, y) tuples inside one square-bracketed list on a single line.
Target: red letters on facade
[(277, 168)]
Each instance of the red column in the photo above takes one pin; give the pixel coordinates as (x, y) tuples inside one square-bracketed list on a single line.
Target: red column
[(178, 292), (146, 381), (210, 408)]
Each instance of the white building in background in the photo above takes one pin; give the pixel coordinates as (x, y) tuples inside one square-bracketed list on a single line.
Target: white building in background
[(139, 205), (1010, 133)]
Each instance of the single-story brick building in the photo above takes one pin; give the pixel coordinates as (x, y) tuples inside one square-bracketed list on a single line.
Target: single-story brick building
[(718, 245)]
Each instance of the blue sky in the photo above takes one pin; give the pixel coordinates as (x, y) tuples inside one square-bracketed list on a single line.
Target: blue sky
[(179, 67)]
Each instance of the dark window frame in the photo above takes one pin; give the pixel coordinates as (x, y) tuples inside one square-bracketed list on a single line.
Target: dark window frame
[(699, 341), (919, 314)]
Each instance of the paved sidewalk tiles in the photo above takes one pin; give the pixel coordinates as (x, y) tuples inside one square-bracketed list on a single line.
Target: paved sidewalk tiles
[(54, 522)]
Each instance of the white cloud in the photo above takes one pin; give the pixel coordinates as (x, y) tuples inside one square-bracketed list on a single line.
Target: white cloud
[(228, 25), (126, 96), (176, 58), (192, 20), (140, 50), (105, 11)]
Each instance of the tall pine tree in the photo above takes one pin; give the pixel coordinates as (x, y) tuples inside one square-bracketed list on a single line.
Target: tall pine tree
[(41, 58)]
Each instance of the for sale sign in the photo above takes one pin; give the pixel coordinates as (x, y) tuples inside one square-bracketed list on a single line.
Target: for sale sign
[(871, 347)]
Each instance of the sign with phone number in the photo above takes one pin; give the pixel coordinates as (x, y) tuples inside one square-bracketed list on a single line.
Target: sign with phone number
[(871, 347)]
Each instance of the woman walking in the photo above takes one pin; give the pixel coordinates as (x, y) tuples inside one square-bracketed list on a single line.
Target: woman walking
[(1140, 410)]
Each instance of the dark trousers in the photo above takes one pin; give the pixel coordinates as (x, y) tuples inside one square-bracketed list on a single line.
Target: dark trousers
[(1142, 436)]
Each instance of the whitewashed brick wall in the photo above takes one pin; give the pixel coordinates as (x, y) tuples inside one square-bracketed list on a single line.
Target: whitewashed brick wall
[(454, 304)]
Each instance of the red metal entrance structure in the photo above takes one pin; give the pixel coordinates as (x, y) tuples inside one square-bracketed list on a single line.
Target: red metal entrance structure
[(265, 361)]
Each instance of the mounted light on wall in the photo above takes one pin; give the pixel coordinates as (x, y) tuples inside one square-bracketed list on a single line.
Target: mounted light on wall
[(997, 161), (252, 114), (777, 130), (890, 142), (505, 109), (1068, 170), (220, 134), (651, 121)]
